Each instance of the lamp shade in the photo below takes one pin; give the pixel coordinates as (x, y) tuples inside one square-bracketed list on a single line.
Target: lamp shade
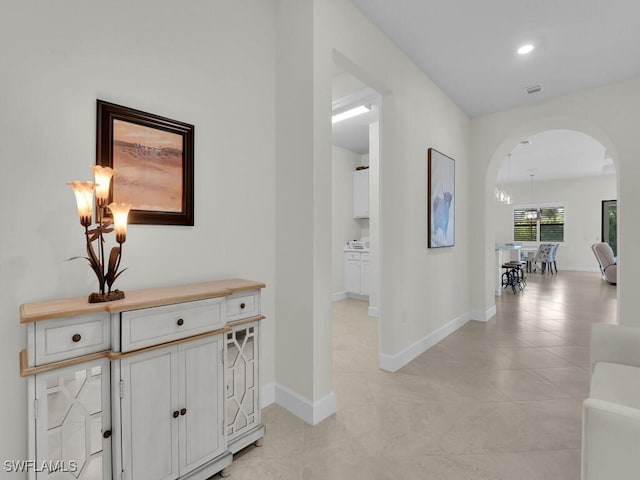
[(84, 200), (120, 213), (102, 176)]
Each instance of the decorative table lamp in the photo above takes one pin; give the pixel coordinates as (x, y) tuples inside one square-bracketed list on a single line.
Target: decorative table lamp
[(84, 198)]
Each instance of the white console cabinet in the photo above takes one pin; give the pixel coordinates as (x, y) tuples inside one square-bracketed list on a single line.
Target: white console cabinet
[(138, 389)]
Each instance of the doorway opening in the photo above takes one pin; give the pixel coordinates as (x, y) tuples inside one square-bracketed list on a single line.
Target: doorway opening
[(556, 181), (355, 285)]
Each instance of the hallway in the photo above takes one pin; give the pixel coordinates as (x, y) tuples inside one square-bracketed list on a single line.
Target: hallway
[(496, 400)]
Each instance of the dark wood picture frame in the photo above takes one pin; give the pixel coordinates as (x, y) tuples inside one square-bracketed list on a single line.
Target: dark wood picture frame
[(441, 217), (181, 212)]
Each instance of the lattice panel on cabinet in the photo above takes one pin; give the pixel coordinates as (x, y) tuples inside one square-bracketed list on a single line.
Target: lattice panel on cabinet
[(72, 410), (241, 395)]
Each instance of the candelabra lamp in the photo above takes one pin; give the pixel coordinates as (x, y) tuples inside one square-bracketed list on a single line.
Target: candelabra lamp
[(107, 270)]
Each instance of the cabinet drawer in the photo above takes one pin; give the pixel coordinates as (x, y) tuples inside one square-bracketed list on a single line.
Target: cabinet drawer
[(243, 306), (352, 256), (71, 337), (155, 325)]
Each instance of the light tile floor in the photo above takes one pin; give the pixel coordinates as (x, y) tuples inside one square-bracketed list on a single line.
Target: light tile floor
[(498, 400)]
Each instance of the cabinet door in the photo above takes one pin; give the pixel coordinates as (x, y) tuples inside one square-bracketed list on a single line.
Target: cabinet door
[(148, 405), (242, 402), (361, 193), (365, 268), (72, 418), (352, 276), (200, 402)]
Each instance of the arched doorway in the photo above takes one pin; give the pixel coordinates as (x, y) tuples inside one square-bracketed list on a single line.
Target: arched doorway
[(510, 143)]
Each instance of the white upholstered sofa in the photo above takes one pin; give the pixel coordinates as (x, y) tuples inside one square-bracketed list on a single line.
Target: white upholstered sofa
[(611, 414)]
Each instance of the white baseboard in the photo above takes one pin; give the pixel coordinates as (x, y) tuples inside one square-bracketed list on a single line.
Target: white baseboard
[(337, 296), (357, 296), (393, 363), (268, 395), (481, 316), (373, 311), (311, 412)]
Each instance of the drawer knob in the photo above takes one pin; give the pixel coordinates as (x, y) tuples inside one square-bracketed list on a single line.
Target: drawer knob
[(76, 338), (176, 414), (242, 305), (107, 434), (183, 411), (180, 322)]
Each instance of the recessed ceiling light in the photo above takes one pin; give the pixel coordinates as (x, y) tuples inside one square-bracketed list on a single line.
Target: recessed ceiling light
[(524, 49), (350, 113)]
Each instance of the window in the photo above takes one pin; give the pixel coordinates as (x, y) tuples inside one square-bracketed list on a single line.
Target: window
[(549, 226)]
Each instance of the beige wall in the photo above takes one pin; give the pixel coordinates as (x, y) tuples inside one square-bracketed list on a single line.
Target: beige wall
[(420, 288), (207, 63)]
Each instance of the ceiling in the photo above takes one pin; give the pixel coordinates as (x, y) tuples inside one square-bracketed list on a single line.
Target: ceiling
[(349, 92), (555, 154), (468, 47)]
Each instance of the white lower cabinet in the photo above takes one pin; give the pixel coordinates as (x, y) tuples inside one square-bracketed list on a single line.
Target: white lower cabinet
[(356, 273), (73, 422), (365, 268), (172, 419), (135, 389)]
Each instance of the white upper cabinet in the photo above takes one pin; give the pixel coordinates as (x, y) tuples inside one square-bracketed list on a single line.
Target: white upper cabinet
[(361, 193)]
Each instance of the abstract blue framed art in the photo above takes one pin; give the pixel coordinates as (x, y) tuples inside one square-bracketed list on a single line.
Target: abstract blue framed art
[(442, 200)]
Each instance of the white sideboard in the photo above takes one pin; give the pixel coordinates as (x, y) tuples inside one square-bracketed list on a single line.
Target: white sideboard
[(357, 265), (163, 384)]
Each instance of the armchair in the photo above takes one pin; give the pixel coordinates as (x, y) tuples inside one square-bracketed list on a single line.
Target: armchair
[(606, 261), (611, 414)]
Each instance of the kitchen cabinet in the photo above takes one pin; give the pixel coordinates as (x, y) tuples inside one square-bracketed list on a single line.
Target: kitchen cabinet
[(356, 276), (135, 389), (361, 193)]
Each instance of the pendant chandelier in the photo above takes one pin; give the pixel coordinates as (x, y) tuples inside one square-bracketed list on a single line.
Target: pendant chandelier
[(501, 195), (532, 214)]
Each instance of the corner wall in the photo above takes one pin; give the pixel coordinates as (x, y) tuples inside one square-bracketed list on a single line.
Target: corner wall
[(420, 292)]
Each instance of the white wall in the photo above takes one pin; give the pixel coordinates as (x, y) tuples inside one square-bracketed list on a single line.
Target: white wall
[(207, 63), (610, 114), (373, 161), (582, 198), (421, 289), (344, 226)]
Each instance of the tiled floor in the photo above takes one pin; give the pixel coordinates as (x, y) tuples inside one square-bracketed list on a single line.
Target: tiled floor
[(497, 400)]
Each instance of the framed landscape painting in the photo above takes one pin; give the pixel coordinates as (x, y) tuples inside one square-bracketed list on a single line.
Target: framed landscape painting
[(442, 201), (152, 157)]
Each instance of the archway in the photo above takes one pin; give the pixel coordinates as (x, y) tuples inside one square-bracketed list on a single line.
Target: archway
[(510, 140)]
